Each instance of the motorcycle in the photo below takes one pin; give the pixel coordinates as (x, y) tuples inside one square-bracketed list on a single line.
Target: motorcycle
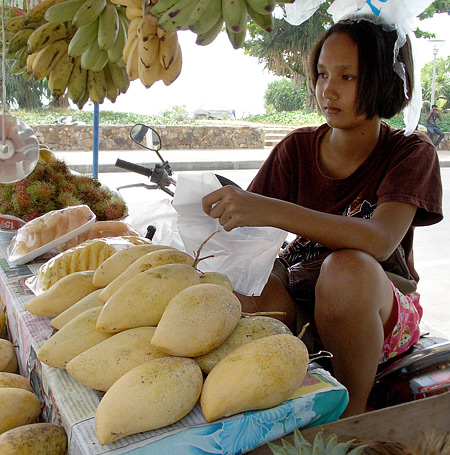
[(422, 371)]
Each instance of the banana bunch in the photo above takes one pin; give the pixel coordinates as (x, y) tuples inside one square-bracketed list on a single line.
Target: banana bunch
[(207, 17), (101, 30), (151, 53)]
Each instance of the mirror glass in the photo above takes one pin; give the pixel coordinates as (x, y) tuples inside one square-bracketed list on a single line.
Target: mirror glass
[(146, 136)]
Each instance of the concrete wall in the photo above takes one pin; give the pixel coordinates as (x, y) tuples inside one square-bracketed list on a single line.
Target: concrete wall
[(79, 137)]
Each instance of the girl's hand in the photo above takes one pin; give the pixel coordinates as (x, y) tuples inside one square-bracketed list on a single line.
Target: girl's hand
[(234, 207)]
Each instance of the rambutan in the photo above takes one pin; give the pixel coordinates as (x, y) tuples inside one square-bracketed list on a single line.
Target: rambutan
[(68, 199), (115, 210), (32, 215), (41, 191), (21, 202)]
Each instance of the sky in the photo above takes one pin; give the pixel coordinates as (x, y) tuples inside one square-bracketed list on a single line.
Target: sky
[(219, 77)]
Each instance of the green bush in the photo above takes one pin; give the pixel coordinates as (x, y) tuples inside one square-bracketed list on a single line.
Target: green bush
[(284, 96)]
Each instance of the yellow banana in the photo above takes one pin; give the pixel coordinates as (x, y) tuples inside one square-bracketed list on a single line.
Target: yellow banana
[(133, 60), (149, 74), (60, 75), (84, 98), (20, 64), (37, 13), (76, 85), (132, 37), (173, 71), (45, 34), (96, 84), (47, 58), (148, 26), (14, 24), (30, 60), (88, 12), (168, 47), (148, 50), (120, 77), (132, 12), (133, 26), (112, 91)]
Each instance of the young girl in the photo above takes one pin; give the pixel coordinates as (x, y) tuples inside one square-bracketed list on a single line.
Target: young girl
[(352, 190)]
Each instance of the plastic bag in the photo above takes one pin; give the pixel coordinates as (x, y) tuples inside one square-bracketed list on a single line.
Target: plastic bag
[(300, 11), (246, 255)]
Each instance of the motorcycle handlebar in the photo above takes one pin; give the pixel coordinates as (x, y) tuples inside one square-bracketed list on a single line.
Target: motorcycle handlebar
[(134, 167)]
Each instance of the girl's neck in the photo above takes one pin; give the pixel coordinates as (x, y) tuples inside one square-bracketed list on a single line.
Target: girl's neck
[(342, 151)]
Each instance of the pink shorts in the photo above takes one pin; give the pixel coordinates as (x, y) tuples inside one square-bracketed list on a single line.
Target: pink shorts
[(406, 331)]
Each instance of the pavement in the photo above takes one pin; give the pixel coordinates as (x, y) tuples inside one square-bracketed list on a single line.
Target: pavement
[(181, 159)]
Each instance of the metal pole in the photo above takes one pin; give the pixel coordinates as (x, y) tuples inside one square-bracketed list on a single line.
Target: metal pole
[(433, 80), (95, 141)]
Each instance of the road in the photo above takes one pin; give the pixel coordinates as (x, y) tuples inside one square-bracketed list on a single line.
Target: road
[(431, 251)]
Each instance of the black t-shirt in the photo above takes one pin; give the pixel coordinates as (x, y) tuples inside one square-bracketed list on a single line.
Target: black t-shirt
[(400, 169)]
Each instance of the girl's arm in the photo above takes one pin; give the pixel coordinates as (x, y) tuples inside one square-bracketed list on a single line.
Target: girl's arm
[(378, 236)]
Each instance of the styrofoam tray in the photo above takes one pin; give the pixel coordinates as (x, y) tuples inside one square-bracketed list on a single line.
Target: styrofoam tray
[(20, 260)]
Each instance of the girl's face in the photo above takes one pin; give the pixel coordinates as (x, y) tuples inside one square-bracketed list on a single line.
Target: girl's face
[(336, 87)]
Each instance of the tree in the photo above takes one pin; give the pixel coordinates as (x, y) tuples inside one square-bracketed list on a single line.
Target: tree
[(285, 50), (23, 94), (442, 80)]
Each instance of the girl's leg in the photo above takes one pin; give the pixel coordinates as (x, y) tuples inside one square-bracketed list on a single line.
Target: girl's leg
[(274, 297), (354, 312)]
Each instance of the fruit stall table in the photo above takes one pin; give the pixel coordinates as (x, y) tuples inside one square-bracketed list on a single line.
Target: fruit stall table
[(320, 400)]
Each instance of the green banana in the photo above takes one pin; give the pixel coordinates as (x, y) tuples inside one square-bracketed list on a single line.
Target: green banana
[(91, 56), (205, 15), (108, 27), (63, 12), (112, 91), (84, 98), (264, 21), (37, 13), (120, 77), (203, 39), (262, 6), (60, 75), (88, 12), (234, 14), (47, 58), (45, 34), (20, 64), (162, 6), (76, 85), (83, 38), (237, 38), (101, 62), (115, 51), (96, 84), (19, 40), (177, 17)]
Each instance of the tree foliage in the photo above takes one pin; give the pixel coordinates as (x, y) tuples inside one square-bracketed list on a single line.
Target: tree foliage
[(442, 80), (285, 51), (284, 96)]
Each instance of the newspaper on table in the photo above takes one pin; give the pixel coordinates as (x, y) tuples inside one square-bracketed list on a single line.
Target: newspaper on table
[(67, 403)]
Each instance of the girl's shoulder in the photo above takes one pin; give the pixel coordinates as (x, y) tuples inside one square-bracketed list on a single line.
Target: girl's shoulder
[(396, 140)]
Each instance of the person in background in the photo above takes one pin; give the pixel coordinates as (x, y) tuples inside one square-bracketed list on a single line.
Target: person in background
[(351, 190), (432, 128)]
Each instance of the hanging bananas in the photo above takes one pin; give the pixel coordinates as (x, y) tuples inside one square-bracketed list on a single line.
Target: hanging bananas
[(206, 18)]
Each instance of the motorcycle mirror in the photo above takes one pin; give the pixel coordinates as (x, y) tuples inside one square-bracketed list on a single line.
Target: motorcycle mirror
[(146, 136)]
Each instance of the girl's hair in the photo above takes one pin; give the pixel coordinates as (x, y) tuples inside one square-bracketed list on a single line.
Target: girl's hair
[(380, 90)]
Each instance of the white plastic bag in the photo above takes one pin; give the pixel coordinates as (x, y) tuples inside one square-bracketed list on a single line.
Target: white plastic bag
[(300, 11), (245, 255)]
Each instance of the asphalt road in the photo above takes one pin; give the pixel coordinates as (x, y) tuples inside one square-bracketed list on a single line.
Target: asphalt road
[(432, 244)]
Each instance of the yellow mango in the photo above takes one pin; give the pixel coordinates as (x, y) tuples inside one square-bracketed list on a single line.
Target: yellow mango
[(34, 439), (141, 300), (197, 320), (216, 278), (18, 407), (118, 262), (150, 396), (102, 365), (90, 301), (75, 337), (257, 375), (248, 329), (8, 359), (15, 381), (62, 295), (148, 261)]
